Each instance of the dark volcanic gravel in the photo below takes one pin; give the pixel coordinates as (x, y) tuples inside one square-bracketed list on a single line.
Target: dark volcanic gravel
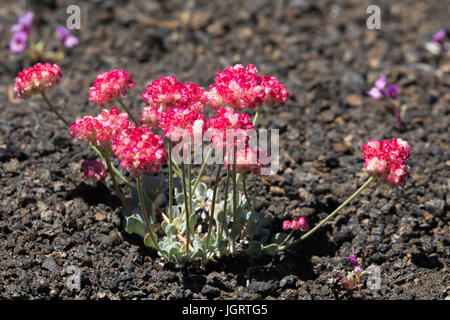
[(50, 219)]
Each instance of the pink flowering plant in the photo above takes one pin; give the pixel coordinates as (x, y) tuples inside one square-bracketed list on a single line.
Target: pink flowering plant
[(176, 213), (388, 95), (352, 279), (20, 42)]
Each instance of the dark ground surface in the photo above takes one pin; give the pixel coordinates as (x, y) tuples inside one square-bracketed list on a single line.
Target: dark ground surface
[(322, 50)]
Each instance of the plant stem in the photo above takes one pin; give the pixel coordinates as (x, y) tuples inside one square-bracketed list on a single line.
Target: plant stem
[(52, 107), (244, 186), (187, 210), (287, 238), (213, 204), (117, 172), (127, 110), (117, 188), (191, 211), (330, 216), (256, 115), (202, 168), (225, 200), (146, 218), (233, 240), (170, 182)]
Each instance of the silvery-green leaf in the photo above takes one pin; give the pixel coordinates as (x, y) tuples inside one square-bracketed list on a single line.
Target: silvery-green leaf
[(201, 191), (178, 223), (171, 230), (209, 194), (135, 224), (179, 199)]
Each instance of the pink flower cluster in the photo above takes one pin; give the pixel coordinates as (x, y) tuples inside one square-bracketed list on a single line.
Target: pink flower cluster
[(140, 151), (38, 77), (228, 120), (176, 123), (94, 171), (110, 85), (387, 160), (299, 223), (241, 88), (103, 130), (168, 92), (173, 106)]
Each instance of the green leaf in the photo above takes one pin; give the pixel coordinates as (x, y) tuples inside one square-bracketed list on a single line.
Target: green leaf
[(135, 224), (148, 241), (171, 230), (200, 192), (271, 249)]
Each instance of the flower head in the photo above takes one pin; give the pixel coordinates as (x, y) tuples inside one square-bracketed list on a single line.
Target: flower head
[(110, 85), (38, 77), (151, 117), (18, 42), (378, 90), (66, 38), (228, 121), (24, 23), (93, 171), (239, 87), (353, 260), (298, 223), (103, 130), (177, 123), (140, 151), (386, 160), (275, 92), (168, 92), (439, 36)]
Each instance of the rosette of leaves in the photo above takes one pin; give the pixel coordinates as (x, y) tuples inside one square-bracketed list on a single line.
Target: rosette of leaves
[(249, 225)]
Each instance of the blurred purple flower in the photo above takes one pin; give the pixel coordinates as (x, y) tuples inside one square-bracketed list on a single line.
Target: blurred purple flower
[(18, 42), (353, 260), (378, 91), (392, 90), (24, 23), (439, 37), (67, 39)]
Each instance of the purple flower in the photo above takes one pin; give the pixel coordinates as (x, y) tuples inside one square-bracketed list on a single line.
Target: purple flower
[(378, 91), (392, 90), (24, 23), (18, 42), (353, 260), (67, 39), (439, 37)]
